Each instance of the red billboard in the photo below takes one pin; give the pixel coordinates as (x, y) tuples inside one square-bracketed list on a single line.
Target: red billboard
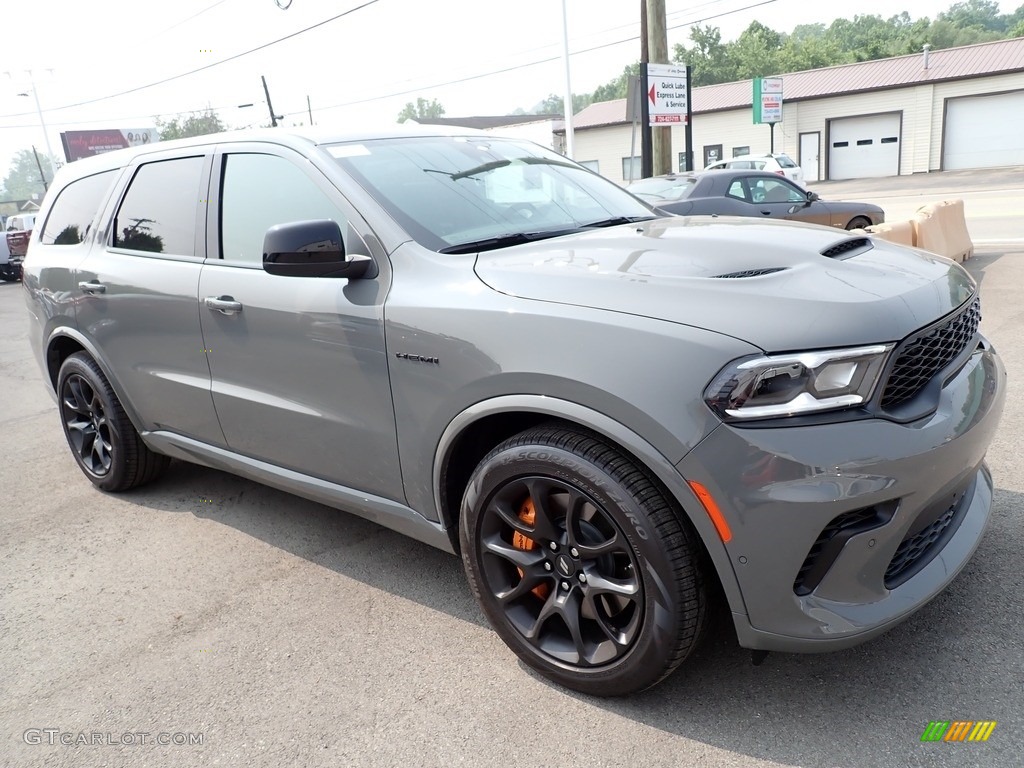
[(79, 144)]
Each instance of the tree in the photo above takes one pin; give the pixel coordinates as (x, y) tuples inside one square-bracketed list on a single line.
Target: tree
[(555, 105), (22, 179), (193, 125), (422, 108), (980, 14)]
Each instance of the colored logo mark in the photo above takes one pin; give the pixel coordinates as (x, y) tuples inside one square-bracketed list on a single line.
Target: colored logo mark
[(958, 730)]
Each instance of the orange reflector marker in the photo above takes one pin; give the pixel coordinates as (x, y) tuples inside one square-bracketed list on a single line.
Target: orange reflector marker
[(724, 532)]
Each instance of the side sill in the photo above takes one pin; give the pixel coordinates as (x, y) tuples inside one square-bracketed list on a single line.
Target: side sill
[(385, 512)]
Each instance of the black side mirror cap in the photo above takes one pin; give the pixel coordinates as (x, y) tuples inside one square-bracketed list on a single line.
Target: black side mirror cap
[(813, 197), (312, 249)]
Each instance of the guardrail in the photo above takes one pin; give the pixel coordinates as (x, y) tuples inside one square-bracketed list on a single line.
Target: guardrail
[(937, 227)]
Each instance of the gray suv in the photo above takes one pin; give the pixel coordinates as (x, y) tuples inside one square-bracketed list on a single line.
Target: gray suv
[(617, 418)]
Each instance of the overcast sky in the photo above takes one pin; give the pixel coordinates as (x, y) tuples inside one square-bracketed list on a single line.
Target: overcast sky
[(357, 70)]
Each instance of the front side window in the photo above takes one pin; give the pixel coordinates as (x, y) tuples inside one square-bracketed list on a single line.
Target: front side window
[(74, 210), (158, 212), (772, 191), (452, 194), (259, 191)]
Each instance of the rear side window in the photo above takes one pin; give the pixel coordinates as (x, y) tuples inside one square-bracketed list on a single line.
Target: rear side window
[(74, 210), (158, 213)]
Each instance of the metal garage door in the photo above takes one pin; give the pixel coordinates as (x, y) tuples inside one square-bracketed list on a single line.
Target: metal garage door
[(984, 131), (859, 147)]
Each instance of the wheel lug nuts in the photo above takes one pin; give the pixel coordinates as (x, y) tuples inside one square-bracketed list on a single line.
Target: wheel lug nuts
[(574, 552), (565, 585), (547, 566), (583, 578), (554, 546)]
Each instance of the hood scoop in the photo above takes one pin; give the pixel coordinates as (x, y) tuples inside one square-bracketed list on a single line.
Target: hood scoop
[(845, 249), (752, 272)]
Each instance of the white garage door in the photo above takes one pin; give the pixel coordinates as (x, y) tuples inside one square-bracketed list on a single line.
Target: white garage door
[(984, 131), (859, 147)]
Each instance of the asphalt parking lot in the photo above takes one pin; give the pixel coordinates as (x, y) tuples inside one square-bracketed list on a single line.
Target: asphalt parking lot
[(287, 633)]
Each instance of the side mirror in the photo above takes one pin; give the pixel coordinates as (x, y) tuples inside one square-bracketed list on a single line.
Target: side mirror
[(813, 197), (311, 249)]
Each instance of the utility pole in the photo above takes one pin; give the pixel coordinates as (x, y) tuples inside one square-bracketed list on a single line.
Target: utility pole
[(310, 108), (39, 165), (273, 117), (657, 50), (646, 153), (567, 105)]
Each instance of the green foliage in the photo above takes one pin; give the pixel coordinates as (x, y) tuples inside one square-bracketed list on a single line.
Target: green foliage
[(422, 108), (22, 179), (193, 125), (761, 51)]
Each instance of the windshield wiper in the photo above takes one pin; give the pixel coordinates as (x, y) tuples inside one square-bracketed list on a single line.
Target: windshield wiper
[(504, 241), (615, 221)]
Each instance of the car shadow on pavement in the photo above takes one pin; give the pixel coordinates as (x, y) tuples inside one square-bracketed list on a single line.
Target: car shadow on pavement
[(861, 707)]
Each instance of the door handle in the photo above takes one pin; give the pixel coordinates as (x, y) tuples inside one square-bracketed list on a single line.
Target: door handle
[(767, 213), (92, 287), (225, 304)]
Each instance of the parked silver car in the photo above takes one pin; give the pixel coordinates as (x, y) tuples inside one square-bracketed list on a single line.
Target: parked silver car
[(615, 417)]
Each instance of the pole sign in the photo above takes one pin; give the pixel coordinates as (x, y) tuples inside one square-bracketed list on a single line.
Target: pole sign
[(666, 94), (79, 144), (767, 100)]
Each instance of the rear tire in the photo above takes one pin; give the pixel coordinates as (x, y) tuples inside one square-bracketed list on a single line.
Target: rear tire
[(102, 439), (580, 562)]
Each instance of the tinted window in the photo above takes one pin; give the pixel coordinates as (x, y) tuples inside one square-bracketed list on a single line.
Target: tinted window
[(785, 161), (158, 212), (75, 208), (259, 191)]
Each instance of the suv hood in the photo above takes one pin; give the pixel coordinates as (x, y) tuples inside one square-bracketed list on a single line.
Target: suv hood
[(685, 270)]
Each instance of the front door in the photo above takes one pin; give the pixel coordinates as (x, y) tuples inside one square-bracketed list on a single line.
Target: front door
[(810, 150), (300, 373)]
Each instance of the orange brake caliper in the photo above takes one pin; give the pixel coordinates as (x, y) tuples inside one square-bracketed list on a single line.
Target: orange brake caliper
[(528, 515)]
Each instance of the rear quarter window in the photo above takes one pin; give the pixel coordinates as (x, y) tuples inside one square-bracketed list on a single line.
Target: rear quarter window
[(74, 210)]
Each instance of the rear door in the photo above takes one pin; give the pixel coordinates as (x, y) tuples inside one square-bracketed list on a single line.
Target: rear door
[(137, 295), (300, 374)]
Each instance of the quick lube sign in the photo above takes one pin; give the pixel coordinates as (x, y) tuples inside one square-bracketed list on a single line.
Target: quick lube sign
[(666, 93), (767, 100)]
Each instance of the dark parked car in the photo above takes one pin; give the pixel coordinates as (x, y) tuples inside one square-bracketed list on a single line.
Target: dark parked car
[(615, 417), (750, 193)]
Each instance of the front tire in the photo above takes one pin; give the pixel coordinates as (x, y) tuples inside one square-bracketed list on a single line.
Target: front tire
[(102, 439), (580, 562), (858, 222)]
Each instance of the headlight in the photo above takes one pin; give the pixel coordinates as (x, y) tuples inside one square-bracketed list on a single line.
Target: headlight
[(792, 385)]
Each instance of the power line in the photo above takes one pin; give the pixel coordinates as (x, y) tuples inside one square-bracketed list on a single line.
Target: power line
[(203, 68), (548, 60)]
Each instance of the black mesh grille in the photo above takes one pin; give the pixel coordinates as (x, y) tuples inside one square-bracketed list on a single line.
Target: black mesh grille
[(920, 545), (821, 555), (753, 272), (846, 247), (922, 356)]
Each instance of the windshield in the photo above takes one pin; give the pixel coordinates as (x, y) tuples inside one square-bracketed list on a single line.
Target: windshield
[(449, 192)]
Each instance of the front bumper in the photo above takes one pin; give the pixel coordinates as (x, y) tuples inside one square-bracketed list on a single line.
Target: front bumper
[(840, 531)]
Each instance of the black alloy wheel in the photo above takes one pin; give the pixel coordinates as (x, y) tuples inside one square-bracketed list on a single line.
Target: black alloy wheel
[(580, 561), (858, 222), (102, 439), (86, 425)]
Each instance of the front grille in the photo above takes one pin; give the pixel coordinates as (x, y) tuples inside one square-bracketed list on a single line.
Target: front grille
[(913, 548), (833, 538), (847, 247), (753, 272), (921, 356)]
